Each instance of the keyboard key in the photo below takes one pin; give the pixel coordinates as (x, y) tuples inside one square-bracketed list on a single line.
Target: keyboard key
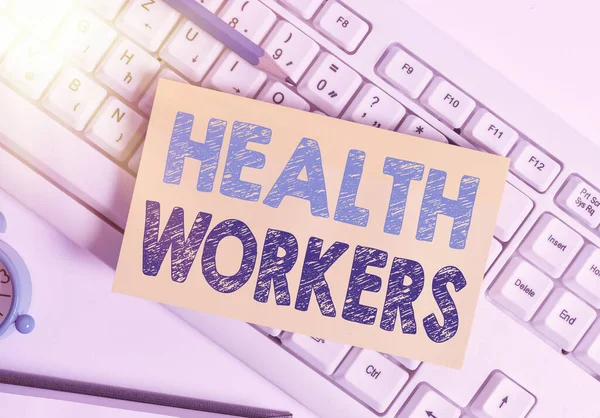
[(127, 69), (407, 362), (342, 26), (495, 250), (491, 132), (8, 33), (234, 75), (134, 162), (501, 397), (425, 402), (521, 288), (108, 9), (63, 157), (564, 318), (588, 350), (291, 49), (212, 5), (551, 245), (84, 39), (583, 277), (116, 129), (276, 92), (249, 17), (582, 200), (74, 98), (514, 209), (274, 332), (323, 355), (533, 166), (30, 66), (372, 378), (404, 72), (39, 18), (305, 8), (191, 51), (373, 107), (145, 105), (147, 22), (448, 102), (415, 126), (329, 84)]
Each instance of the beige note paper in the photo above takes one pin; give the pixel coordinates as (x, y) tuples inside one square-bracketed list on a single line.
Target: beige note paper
[(310, 224)]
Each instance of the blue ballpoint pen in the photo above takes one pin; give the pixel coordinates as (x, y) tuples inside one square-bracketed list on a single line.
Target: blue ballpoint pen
[(228, 36)]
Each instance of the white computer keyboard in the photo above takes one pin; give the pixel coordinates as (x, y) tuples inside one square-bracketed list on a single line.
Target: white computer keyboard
[(85, 73)]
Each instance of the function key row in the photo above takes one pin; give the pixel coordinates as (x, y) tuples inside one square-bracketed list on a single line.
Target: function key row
[(454, 107)]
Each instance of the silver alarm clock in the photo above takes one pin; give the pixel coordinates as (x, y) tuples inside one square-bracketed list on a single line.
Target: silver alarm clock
[(15, 290)]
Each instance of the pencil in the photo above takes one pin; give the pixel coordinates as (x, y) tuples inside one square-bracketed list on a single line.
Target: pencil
[(228, 36)]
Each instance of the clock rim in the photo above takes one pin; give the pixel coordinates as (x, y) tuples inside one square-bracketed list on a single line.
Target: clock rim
[(21, 285)]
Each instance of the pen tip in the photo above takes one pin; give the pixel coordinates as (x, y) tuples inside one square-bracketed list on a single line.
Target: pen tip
[(290, 81)]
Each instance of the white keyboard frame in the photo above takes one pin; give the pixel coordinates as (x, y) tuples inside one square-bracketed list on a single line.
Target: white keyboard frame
[(490, 90)]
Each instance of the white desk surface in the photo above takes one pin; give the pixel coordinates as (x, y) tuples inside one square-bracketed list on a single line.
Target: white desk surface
[(84, 331)]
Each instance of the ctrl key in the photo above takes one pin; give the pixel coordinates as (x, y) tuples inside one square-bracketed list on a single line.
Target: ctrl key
[(372, 378), (501, 397)]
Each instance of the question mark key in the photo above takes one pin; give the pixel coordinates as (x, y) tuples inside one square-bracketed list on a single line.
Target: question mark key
[(373, 107)]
